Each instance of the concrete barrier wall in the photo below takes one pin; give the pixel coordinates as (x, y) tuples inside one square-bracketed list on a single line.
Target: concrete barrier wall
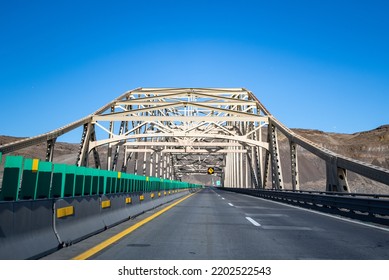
[(26, 229), (113, 209), (44, 206), (78, 218), (34, 228)]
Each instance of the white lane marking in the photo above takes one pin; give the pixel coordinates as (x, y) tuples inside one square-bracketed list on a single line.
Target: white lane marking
[(223, 198), (253, 222), (286, 228), (265, 215), (232, 205), (320, 213), (255, 207)]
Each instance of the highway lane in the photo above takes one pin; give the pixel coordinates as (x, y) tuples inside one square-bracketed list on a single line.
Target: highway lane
[(214, 224)]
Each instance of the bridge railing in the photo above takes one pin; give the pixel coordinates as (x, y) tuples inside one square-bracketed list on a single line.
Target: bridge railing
[(372, 207), (336, 165)]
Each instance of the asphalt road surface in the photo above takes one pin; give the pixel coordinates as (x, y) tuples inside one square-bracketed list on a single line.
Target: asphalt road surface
[(215, 224)]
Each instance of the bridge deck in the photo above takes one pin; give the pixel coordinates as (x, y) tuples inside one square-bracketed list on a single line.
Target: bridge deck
[(214, 224)]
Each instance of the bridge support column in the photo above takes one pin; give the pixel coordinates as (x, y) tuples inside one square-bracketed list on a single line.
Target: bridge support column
[(336, 177), (111, 134), (50, 149), (241, 169), (247, 172), (164, 170), (276, 170), (254, 169), (94, 150), (266, 169), (82, 159), (158, 169), (226, 171), (294, 165), (169, 167), (136, 164), (229, 169), (235, 174), (151, 164), (258, 158), (144, 163)]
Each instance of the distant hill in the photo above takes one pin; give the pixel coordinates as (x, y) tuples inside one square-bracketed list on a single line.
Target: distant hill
[(369, 146)]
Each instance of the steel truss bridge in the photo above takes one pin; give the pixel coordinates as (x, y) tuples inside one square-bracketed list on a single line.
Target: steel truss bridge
[(135, 154), (172, 132)]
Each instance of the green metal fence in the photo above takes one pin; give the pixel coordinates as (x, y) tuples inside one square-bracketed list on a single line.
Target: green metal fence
[(26, 179)]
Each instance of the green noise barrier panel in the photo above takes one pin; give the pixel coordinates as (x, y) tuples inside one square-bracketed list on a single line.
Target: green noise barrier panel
[(108, 185), (70, 177), (58, 184), (79, 181), (26, 179), (29, 179), (44, 180), (95, 180), (11, 178), (88, 181)]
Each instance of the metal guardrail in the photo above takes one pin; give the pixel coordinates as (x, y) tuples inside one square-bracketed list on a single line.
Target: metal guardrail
[(361, 204)]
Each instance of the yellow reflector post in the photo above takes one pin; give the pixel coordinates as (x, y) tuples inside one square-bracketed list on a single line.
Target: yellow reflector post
[(159, 194), (119, 175), (128, 200), (35, 165), (106, 204), (142, 197), (65, 211), (152, 195), (147, 179)]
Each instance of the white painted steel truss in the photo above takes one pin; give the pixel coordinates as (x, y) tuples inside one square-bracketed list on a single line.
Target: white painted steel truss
[(172, 132)]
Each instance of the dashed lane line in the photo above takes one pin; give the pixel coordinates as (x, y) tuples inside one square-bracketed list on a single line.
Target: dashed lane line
[(253, 222), (321, 213)]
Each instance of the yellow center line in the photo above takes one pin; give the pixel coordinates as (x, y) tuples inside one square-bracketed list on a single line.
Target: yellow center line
[(87, 254)]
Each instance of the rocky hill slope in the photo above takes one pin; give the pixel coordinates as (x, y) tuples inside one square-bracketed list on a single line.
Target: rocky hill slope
[(369, 146)]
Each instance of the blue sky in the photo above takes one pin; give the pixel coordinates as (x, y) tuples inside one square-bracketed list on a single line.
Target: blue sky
[(314, 64)]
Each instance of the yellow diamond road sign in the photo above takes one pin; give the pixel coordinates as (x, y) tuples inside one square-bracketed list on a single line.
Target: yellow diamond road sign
[(211, 170)]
